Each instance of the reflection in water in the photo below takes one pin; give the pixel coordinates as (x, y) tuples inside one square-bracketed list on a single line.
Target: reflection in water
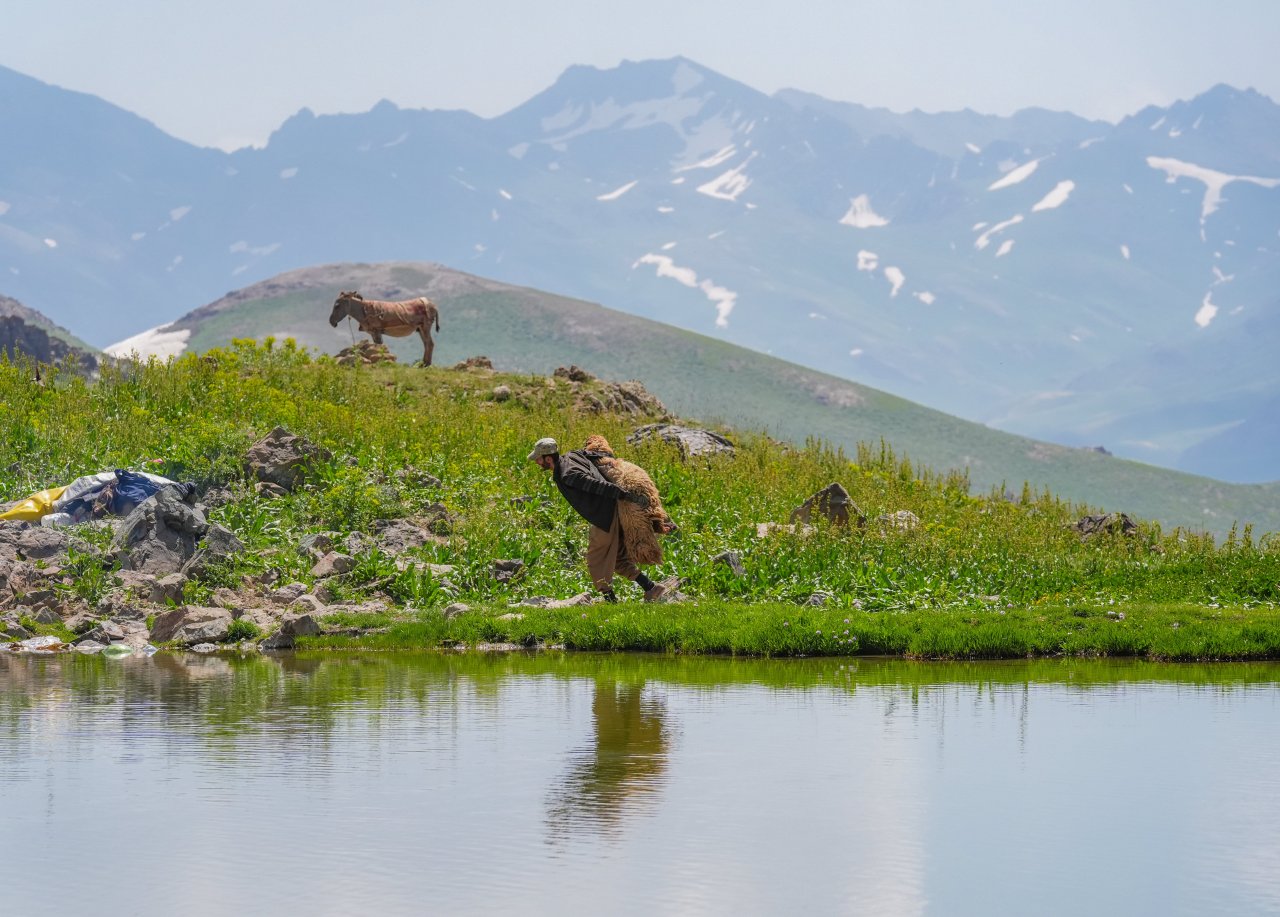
[(377, 782), (621, 772)]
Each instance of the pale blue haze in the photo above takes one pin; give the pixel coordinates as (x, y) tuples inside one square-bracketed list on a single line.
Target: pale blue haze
[(227, 74)]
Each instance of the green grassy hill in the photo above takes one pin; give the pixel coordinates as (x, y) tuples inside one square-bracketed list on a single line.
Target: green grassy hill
[(439, 458), (526, 330)]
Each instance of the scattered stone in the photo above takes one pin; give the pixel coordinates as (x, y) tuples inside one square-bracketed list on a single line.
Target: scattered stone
[(33, 542), (43, 615), (819, 598), (416, 477), (191, 625), (168, 589), (81, 622), (219, 545), (324, 593), (299, 625), (307, 604), (480, 363), (504, 571), (457, 608), (364, 353), (333, 564), (833, 503), (903, 521), (395, 536), (203, 648), (357, 543), (316, 545), (573, 373), (510, 616), (269, 491), (277, 641), (89, 647), (161, 534), (1113, 523), (282, 458), (502, 393), (621, 398), (286, 595), (105, 632), (15, 631), (1115, 615), (691, 442), (673, 595), (732, 560)]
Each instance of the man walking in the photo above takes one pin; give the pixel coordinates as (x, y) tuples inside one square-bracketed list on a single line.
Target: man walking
[(596, 500)]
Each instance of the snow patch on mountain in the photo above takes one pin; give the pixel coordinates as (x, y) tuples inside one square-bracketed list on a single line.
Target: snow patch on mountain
[(1214, 180), (289, 172), (518, 151), (861, 216), (1124, 250), (617, 192), (985, 239), (1206, 311), (896, 279), (178, 213), (728, 186), (154, 342), (925, 297), (1005, 247), (4, 208), (867, 261), (722, 298), (724, 154), (51, 243), (505, 193), (1019, 174), (973, 148), (1057, 197)]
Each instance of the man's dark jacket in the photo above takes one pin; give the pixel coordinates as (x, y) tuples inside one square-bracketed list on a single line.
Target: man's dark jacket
[(586, 489)]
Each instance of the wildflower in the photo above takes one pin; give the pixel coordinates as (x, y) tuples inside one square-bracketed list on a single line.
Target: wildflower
[(786, 623)]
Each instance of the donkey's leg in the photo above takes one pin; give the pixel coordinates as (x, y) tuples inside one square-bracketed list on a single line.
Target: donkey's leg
[(428, 345)]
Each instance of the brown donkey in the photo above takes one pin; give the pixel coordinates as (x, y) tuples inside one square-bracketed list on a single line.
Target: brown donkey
[(398, 319)]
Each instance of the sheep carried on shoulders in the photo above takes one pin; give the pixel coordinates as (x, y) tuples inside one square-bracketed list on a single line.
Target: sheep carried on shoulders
[(640, 526)]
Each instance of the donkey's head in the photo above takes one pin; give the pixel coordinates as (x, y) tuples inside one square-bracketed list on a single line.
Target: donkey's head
[(342, 306)]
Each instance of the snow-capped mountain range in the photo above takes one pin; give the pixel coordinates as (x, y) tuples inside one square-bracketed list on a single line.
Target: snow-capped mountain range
[(1077, 281)]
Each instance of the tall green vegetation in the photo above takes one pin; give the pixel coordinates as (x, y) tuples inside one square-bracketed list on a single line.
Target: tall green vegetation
[(390, 429)]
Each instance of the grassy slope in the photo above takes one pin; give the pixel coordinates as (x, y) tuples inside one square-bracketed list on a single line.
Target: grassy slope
[(531, 331), (976, 576)]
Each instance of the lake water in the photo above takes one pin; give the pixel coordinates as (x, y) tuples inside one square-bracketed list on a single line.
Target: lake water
[(389, 783)]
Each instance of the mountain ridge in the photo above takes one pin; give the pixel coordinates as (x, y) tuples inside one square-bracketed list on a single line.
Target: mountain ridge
[(977, 282)]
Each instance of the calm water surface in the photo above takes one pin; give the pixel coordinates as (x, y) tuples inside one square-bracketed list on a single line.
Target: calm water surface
[(395, 784)]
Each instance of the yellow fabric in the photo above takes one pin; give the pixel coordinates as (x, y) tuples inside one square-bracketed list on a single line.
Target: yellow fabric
[(35, 506)]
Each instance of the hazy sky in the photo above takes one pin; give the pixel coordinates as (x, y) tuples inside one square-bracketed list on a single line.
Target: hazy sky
[(228, 72)]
